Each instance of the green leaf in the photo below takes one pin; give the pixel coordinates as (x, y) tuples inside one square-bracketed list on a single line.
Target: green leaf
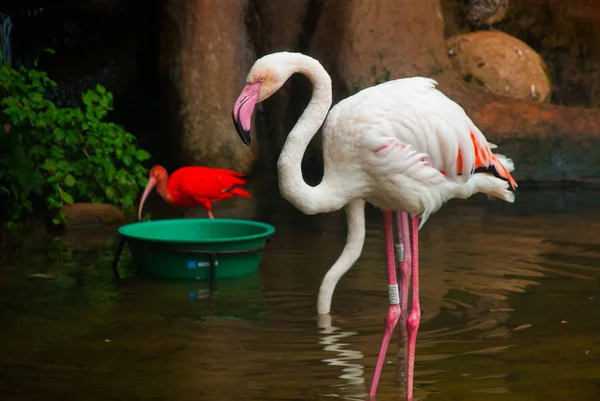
[(56, 221), (68, 199), (59, 134), (127, 160), (110, 193), (10, 101), (142, 155), (49, 164), (70, 180)]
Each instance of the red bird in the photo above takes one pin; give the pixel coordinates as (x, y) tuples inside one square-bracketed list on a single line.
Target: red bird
[(193, 186)]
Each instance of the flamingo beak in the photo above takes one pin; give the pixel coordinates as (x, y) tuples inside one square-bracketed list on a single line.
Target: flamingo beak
[(151, 183), (243, 109)]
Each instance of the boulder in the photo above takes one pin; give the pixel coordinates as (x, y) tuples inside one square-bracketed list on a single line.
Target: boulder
[(205, 59), (501, 64), (79, 214)]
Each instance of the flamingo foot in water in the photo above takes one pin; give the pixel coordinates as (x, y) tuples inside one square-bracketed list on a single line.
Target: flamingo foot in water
[(407, 261), (391, 320)]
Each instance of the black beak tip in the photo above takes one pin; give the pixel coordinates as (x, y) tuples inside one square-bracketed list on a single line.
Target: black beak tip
[(244, 134)]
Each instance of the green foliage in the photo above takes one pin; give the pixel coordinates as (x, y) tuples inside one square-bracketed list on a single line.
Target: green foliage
[(53, 156)]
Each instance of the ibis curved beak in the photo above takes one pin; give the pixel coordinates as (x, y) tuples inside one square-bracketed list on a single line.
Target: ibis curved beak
[(151, 183), (243, 109)]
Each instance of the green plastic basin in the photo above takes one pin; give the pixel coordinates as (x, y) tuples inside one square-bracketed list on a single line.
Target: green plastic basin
[(178, 248)]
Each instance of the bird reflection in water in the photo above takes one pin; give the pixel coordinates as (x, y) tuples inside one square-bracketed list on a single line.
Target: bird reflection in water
[(353, 387)]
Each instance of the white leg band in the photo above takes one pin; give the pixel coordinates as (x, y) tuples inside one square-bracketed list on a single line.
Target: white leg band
[(394, 294), (400, 252)]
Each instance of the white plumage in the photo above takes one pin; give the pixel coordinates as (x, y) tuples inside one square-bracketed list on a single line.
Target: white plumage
[(410, 114), (413, 116), (401, 145)]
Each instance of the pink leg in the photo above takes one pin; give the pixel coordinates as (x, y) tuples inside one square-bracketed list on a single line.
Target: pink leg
[(404, 259), (210, 215), (394, 309), (412, 323)]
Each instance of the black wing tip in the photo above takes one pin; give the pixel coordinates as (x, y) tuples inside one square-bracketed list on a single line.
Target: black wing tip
[(492, 170)]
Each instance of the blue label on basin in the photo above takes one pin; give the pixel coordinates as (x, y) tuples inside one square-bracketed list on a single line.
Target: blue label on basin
[(192, 264)]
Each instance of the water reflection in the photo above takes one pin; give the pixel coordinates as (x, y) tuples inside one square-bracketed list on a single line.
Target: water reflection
[(352, 373), (509, 297)]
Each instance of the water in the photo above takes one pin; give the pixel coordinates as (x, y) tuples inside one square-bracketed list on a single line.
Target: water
[(509, 293)]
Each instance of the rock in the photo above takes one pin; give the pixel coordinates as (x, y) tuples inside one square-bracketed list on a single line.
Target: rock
[(363, 42), (485, 12), (93, 213), (204, 55), (502, 64)]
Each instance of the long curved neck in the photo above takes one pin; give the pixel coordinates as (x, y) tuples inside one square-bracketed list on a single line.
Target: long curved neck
[(307, 199)]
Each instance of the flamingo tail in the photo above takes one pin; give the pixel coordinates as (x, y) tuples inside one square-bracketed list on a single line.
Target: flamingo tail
[(503, 166)]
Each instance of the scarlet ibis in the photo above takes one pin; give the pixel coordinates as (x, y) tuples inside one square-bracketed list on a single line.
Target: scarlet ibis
[(193, 186)]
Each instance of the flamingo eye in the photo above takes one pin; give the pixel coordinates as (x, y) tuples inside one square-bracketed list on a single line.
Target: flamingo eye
[(261, 79)]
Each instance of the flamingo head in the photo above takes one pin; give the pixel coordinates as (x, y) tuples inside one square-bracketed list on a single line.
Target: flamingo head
[(266, 76), (158, 174)]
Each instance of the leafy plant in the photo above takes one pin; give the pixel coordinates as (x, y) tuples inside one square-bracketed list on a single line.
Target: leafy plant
[(52, 156)]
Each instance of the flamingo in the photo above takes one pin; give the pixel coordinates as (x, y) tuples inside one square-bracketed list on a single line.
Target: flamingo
[(192, 186), (402, 146)]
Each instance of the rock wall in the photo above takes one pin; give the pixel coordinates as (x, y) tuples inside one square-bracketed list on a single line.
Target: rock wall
[(177, 81), (205, 60)]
